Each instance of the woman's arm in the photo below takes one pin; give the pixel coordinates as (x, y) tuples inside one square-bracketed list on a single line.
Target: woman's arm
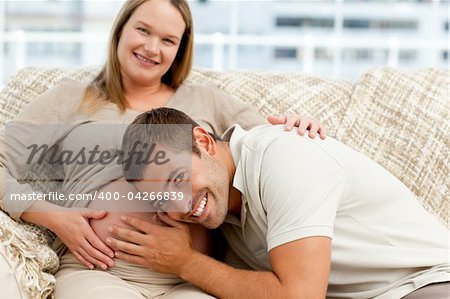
[(37, 124), (302, 123)]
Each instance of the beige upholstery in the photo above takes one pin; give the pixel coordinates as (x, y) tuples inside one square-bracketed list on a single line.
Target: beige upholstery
[(284, 93), (400, 119)]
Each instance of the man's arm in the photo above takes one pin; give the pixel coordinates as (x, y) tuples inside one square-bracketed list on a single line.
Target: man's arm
[(299, 268)]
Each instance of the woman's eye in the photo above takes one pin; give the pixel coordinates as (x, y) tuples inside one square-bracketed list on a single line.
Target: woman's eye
[(169, 41), (143, 30)]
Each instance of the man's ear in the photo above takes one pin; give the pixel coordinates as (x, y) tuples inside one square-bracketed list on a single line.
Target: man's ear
[(204, 141)]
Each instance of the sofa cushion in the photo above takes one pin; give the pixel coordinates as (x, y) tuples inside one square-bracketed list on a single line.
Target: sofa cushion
[(30, 82), (401, 120), (270, 93), (284, 93)]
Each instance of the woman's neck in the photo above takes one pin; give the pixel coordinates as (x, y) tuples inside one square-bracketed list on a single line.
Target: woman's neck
[(136, 91), (144, 98)]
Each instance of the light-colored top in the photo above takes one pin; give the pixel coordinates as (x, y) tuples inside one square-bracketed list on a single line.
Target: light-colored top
[(384, 243), (53, 118)]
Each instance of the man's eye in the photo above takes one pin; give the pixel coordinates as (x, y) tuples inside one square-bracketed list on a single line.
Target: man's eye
[(179, 178), (161, 203)]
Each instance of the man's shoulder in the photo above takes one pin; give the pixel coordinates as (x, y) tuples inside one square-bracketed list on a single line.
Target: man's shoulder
[(272, 144)]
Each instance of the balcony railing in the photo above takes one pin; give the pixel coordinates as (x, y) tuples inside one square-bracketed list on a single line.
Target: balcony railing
[(307, 43)]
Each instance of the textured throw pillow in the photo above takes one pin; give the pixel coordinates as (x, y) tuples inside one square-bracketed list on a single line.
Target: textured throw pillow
[(25, 248), (401, 120)]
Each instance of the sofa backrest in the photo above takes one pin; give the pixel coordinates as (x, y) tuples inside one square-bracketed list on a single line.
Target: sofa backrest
[(284, 93), (399, 119)]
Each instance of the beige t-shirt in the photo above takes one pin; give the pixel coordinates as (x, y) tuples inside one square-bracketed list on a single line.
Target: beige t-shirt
[(384, 243), (53, 119)]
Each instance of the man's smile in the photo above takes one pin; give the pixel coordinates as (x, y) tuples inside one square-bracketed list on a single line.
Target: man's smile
[(200, 207)]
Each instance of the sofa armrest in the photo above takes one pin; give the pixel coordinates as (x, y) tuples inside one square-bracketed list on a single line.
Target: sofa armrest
[(26, 251)]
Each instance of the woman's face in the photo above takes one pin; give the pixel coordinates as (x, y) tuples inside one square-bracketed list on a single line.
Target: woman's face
[(149, 42)]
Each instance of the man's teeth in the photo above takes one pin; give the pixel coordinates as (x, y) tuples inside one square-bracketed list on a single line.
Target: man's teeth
[(142, 58), (201, 207)]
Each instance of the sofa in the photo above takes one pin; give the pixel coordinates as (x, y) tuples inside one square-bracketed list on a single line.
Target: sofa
[(400, 119)]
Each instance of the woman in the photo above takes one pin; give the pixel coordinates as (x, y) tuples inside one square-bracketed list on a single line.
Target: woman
[(150, 56)]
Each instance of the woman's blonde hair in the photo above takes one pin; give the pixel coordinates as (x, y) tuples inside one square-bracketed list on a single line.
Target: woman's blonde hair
[(107, 85)]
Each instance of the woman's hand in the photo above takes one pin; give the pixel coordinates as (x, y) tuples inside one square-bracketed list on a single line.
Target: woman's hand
[(73, 228), (302, 122)]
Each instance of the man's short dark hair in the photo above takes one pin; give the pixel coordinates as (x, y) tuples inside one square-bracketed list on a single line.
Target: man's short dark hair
[(152, 127)]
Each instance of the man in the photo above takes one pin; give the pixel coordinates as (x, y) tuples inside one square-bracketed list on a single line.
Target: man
[(308, 218)]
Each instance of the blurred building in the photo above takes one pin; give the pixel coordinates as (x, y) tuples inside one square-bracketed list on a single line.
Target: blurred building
[(327, 38), (331, 38)]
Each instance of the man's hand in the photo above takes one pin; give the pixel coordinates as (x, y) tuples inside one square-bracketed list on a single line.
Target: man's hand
[(164, 249)]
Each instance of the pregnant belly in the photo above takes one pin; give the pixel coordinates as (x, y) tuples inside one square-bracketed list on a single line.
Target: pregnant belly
[(139, 209), (114, 209), (118, 208)]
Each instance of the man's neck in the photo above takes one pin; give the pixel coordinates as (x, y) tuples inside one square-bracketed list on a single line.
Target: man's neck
[(234, 196)]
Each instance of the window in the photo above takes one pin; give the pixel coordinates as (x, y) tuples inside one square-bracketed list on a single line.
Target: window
[(285, 53), (407, 55), (379, 24), (355, 24), (365, 55), (323, 54), (304, 22)]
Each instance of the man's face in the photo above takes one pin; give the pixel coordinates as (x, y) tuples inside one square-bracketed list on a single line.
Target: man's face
[(202, 183)]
